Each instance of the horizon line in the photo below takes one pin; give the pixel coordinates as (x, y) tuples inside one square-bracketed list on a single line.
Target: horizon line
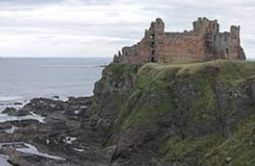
[(28, 57)]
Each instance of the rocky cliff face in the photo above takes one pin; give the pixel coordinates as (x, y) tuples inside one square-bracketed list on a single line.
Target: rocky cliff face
[(193, 114), (200, 114)]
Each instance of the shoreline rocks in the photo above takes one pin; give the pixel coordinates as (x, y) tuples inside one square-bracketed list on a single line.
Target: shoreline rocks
[(62, 121), (183, 114)]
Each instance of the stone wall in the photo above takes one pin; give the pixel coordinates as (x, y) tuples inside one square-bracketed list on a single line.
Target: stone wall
[(204, 42)]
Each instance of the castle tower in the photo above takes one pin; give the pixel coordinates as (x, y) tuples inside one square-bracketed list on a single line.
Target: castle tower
[(154, 35), (235, 42), (235, 32), (209, 29), (204, 25)]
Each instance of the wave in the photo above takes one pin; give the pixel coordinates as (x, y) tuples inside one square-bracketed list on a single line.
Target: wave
[(72, 66), (10, 98), (10, 101), (33, 116)]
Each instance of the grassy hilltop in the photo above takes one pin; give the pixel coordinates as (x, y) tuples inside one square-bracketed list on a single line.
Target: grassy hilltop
[(183, 114)]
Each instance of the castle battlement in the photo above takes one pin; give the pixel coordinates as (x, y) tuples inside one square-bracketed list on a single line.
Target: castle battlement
[(205, 42)]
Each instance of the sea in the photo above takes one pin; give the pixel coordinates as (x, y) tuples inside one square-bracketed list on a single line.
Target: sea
[(22, 79)]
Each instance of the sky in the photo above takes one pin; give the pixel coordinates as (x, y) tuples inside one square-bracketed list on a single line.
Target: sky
[(99, 28)]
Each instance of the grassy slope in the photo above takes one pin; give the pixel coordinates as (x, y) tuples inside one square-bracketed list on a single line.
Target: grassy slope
[(237, 150), (154, 95), (156, 80)]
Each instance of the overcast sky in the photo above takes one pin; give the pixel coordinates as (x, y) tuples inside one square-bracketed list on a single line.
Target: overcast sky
[(85, 28)]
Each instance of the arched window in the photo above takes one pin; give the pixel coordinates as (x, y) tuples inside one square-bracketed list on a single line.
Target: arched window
[(208, 46), (227, 50), (153, 60), (153, 44), (152, 36)]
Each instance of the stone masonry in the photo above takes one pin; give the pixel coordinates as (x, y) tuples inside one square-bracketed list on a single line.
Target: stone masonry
[(205, 42)]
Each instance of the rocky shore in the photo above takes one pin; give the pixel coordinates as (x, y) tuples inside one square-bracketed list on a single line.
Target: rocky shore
[(51, 138), (199, 114)]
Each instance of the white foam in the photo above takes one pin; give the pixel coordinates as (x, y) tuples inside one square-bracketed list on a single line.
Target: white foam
[(10, 98), (78, 150), (60, 98), (33, 116), (6, 118), (3, 160), (11, 130), (30, 149), (13, 105), (69, 140)]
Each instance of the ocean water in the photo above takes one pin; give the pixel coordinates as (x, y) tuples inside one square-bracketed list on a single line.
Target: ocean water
[(22, 79)]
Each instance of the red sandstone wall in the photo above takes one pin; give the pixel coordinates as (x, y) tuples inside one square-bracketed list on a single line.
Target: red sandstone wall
[(167, 50), (138, 53), (203, 43), (182, 49)]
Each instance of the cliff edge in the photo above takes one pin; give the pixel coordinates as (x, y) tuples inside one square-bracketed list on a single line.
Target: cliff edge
[(199, 114), (183, 114)]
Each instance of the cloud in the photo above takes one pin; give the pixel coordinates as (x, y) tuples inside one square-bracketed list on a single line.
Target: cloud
[(101, 27)]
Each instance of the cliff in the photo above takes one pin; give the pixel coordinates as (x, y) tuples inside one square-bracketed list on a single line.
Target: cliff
[(185, 115), (199, 114)]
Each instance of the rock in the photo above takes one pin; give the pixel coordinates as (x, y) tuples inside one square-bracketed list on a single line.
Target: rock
[(10, 111), (18, 103), (228, 159), (55, 97), (167, 102), (183, 115), (42, 106)]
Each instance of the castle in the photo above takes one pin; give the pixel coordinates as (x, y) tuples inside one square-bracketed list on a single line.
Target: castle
[(205, 42)]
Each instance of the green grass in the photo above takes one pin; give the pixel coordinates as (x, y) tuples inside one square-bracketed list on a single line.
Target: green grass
[(146, 114), (178, 149), (153, 96), (237, 150), (214, 149), (153, 81)]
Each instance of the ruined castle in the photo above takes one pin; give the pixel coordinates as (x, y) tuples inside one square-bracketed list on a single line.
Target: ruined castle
[(205, 42)]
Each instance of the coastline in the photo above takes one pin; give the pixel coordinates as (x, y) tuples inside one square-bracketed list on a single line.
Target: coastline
[(132, 108), (36, 122)]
